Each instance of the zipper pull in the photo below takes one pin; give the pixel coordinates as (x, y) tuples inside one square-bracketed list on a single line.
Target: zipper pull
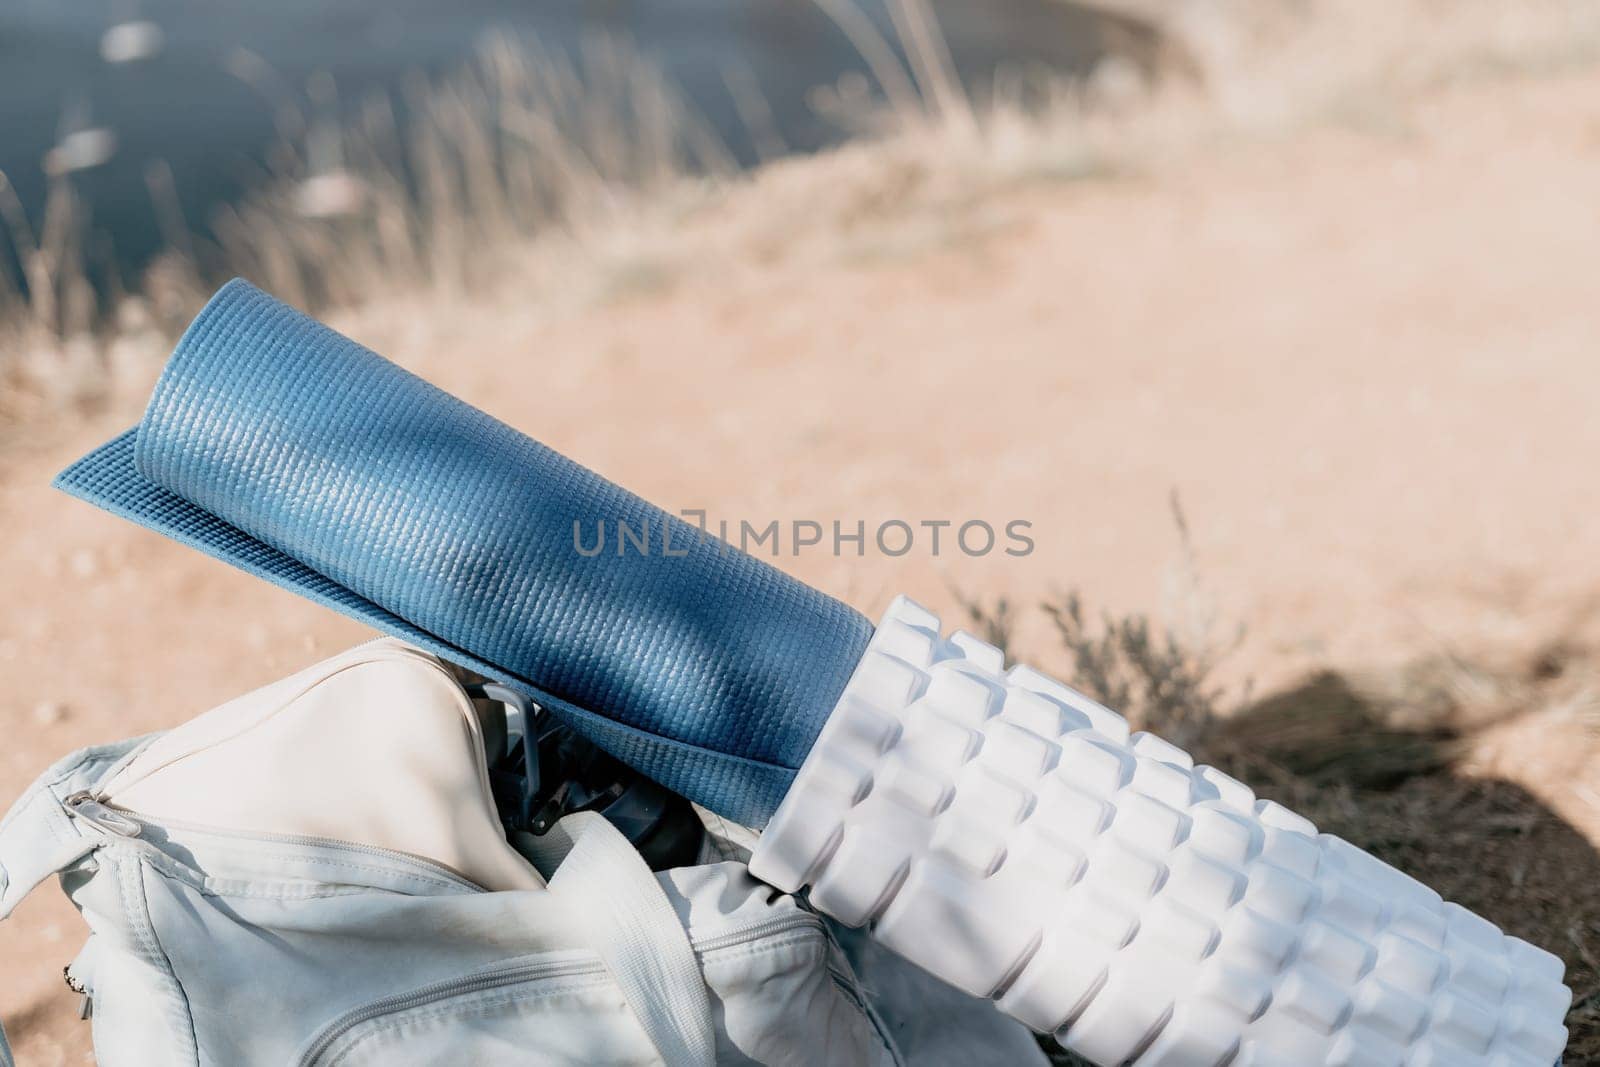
[(86, 806)]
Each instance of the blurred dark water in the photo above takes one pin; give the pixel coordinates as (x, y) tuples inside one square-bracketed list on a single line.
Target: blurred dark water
[(183, 103)]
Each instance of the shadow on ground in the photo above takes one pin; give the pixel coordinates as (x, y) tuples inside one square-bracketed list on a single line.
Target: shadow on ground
[(1335, 755)]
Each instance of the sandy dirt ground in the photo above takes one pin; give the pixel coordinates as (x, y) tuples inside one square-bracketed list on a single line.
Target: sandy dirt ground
[(1363, 356)]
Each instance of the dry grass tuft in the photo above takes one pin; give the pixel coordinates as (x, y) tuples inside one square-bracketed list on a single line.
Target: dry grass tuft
[(63, 344), (440, 192)]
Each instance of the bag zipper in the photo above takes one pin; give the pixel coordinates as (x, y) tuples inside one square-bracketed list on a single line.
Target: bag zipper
[(764, 928), (124, 822), (527, 972), (86, 806)]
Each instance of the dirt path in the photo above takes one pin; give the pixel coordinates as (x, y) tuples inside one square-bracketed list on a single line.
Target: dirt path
[(1365, 358)]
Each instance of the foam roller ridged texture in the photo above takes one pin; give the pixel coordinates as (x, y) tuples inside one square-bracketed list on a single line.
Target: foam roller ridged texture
[(291, 451), (1008, 834)]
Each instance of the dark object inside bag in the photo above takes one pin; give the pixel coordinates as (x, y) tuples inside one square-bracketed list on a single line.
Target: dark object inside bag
[(545, 771)]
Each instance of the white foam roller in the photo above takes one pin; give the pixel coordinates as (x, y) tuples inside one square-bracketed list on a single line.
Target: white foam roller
[(1009, 835)]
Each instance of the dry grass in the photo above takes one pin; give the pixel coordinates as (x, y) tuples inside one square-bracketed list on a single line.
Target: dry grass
[(440, 190), (590, 179), (63, 344), (517, 147), (1275, 61)]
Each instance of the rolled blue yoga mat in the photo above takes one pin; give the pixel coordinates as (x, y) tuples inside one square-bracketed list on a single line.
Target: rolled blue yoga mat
[(288, 450)]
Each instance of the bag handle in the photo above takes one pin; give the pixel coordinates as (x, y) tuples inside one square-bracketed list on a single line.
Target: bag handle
[(622, 911)]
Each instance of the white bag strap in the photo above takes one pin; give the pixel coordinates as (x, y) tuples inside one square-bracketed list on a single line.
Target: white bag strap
[(626, 916), (37, 839)]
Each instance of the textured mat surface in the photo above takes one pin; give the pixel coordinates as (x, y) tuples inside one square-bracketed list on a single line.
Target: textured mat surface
[(290, 451)]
